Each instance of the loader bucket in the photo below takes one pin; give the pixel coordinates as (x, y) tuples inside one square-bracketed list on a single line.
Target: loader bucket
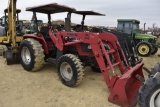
[(125, 90)]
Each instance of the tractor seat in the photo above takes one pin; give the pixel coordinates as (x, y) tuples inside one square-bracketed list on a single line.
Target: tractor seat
[(45, 32)]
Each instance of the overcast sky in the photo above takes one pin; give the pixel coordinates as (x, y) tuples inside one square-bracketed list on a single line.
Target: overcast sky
[(147, 11)]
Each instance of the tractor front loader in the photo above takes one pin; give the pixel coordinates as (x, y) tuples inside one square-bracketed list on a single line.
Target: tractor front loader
[(124, 39), (72, 51)]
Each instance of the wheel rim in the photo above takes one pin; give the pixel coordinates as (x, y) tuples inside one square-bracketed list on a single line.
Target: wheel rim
[(143, 49), (66, 71), (155, 99), (26, 56)]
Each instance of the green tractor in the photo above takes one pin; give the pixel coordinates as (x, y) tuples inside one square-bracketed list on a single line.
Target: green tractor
[(33, 25), (28, 26), (24, 26), (145, 44)]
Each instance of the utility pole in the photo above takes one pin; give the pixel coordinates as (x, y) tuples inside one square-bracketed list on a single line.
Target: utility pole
[(153, 31), (144, 28)]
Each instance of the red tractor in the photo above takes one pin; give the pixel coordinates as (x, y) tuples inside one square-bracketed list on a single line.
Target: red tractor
[(72, 51)]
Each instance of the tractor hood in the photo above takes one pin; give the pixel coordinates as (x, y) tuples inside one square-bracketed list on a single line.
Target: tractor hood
[(144, 36)]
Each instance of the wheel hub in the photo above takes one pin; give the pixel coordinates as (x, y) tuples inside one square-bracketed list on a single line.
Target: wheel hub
[(66, 71), (143, 49), (155, 99), (26, 56)]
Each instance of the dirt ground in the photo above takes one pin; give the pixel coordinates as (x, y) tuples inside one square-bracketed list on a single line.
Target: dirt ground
[(19, 88)]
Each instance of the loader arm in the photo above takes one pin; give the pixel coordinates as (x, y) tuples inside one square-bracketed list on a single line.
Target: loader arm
[(123, 86)]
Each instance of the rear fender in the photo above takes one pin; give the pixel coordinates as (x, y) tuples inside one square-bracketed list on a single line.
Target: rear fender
[(40, 39)]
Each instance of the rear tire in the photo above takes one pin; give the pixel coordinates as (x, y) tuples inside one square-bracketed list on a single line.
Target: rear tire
[(31, 54), (70, 70), (149, 93), (144, 49), (154, 50)]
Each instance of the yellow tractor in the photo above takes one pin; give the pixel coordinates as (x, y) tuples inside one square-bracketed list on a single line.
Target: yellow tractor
[(10, 37)]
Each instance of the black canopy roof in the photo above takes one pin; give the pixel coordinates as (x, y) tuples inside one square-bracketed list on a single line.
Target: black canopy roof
[(88, 13), (51, 8)]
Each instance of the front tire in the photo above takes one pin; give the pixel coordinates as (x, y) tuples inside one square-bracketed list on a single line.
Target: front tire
[(31, 54), (144, 49), (149, 93), (70, 70)]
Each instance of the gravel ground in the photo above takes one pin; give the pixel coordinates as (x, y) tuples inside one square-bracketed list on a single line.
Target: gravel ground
[(19, 88)]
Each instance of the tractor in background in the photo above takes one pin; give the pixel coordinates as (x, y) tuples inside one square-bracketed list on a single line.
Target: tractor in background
[(33, 25), (10, 35), (28, 26), (11, 32), (145, 43), (24, 26)]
